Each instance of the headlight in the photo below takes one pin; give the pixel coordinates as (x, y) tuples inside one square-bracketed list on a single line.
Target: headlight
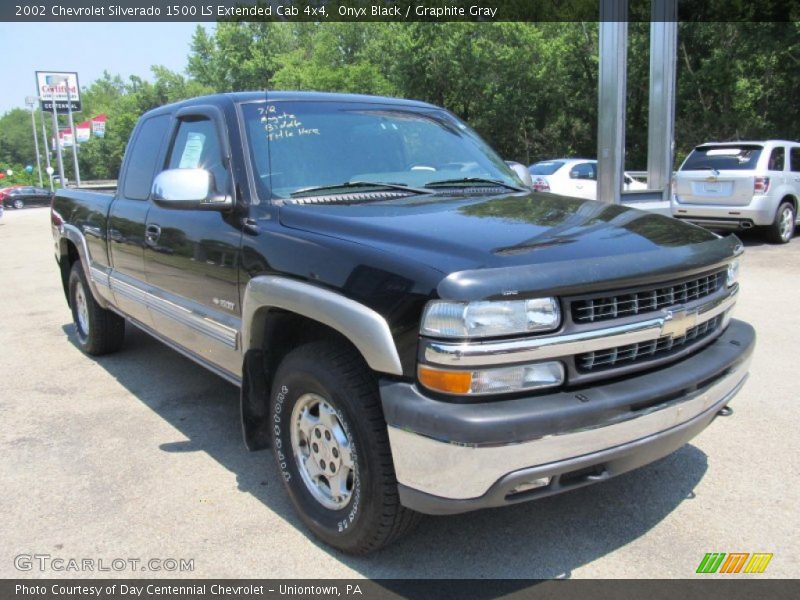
[(733, 272), (490, 319), (521, 378)]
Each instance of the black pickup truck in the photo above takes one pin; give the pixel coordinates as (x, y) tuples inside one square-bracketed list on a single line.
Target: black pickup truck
[(411, 329)]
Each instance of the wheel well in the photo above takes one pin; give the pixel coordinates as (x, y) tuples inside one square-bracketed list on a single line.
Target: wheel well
[(282, 332), (792, 199), (69, 256)]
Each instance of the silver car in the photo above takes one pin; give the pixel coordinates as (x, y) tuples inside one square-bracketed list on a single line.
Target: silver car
[(740, 185)]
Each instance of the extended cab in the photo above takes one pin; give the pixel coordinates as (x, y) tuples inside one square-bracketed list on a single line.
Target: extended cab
[(412, 331), (741, 185)]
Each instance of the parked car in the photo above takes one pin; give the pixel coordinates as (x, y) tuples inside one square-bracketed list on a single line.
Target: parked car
[(575, 177), (22, 195), (4, 192), (740, 185), (412, 331)]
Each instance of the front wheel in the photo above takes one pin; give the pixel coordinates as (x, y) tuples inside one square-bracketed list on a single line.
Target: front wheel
[(332, 448), (782, 229), (17, 204), (99, 331)]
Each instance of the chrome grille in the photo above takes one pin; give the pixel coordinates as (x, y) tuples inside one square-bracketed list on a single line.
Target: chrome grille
[(603, 308), (643, 351)]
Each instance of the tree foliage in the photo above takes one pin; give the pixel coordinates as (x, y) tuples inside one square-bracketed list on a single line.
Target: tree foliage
[(529, 88)]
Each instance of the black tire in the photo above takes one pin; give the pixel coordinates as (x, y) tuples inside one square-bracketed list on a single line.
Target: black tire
[(779, 232), (373, 516), (99, 331), (18, 203)]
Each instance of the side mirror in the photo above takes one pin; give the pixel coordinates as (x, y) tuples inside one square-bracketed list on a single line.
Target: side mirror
[(522, 172), (188, 189)]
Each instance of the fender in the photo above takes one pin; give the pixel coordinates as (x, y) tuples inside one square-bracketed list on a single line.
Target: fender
[(93, 274), (366, 329)]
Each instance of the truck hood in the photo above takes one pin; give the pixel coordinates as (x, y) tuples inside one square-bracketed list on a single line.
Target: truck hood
[(521, 243)]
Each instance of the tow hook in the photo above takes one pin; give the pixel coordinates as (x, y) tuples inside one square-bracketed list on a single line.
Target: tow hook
[(725, 411)]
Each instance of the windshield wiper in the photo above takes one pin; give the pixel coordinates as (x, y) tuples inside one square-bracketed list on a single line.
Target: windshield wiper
[(342, 187), (472, 181)]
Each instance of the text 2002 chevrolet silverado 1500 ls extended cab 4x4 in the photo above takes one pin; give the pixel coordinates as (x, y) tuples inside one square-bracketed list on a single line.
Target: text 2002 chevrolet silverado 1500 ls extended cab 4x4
[(412, 331)]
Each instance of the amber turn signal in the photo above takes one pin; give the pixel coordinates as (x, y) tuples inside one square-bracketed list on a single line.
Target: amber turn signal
[(449, 382)]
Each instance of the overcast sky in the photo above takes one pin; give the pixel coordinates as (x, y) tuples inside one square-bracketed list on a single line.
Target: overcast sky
[(88, 48)]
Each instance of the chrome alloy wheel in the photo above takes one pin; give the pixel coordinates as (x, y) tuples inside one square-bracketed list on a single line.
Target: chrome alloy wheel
[(82, 310), (787, 223), (322, 451)]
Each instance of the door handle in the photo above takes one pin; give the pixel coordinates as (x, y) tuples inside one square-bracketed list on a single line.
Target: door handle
[(151, 234)]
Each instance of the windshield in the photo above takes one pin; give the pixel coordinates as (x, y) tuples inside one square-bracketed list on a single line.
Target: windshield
[(546, 167), (736, 157), (296, 146)]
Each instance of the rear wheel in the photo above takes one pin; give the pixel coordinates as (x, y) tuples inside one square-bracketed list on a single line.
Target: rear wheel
[(99, 331), (782, 230), (332, 448)]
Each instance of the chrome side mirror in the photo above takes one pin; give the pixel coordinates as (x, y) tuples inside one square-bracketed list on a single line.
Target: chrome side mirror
[(522, 172), (188, 189)]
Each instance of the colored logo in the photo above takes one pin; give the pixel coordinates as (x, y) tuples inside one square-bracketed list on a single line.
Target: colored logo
[(735, 562)]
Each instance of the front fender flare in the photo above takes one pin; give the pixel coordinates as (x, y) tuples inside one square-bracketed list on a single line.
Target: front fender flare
[(366, 329)]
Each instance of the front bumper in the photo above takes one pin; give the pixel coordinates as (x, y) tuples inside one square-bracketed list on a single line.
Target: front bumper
[(452, 458), (759, 212)]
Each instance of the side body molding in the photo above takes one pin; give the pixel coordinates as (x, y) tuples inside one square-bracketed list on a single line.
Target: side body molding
[(365, 328), (92, 272)]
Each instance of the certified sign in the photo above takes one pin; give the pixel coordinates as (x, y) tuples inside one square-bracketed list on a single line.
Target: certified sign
[(52, 87)]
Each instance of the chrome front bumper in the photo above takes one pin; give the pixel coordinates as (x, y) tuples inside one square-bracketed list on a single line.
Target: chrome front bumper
[(440, 472)]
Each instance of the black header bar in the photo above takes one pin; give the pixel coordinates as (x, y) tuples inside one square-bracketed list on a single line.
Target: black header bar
[(380, 10)]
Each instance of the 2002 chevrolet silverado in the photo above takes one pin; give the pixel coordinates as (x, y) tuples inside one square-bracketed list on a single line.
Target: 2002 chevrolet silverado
[(412, 331)]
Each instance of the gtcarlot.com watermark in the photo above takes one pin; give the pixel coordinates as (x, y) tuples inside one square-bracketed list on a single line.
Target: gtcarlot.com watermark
[(59, 564)]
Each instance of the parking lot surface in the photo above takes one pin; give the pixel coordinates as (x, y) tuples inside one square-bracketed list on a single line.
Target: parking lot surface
[(139, 455)]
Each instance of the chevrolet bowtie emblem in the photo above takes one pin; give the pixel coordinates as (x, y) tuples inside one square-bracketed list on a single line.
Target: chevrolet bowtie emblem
[(678, 322)]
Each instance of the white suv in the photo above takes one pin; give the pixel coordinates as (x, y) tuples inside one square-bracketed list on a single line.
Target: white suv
[(740, 185)]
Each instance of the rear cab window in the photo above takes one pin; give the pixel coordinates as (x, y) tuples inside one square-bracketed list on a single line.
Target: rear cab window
[(733, 157), (141, 164)]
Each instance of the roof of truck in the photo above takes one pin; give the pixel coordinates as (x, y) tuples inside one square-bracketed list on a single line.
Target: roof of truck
[(239, 97)]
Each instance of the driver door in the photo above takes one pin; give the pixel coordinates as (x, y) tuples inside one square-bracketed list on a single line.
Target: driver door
[(191, 256)]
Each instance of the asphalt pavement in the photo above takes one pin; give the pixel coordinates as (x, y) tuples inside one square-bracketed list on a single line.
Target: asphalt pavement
[(139, 456)]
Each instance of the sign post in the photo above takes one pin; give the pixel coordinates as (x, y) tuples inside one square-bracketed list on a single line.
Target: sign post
[(49, 169), (31, 102), (58, 146), (74, 137)]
